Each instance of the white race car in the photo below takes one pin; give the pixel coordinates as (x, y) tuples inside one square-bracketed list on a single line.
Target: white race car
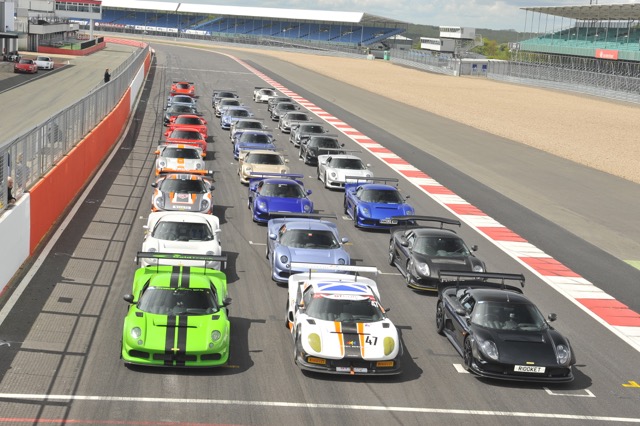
[(179, 158), (338, 324), (44, 62), (332, 169), (262, 94), (178, 232)]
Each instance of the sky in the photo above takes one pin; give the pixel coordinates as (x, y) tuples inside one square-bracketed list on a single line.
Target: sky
[(492, 14)]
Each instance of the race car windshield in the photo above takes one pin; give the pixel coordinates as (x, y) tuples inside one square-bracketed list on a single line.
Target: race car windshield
[(310, 239), (297, 117), (189, 186), (254, 138), (182, 231), (347, 163), (183, 99), (238, 113), (249, 125), (188, 120), (165, 301), (344, 310), (324, 143), (442, 247), (285, 107), (380, 196), (182, 86), (181, 108), (282, 190), (230, 102), (187, 154), (186, 135), (268, 92), (272, 160), (312, 129), (500, 315)]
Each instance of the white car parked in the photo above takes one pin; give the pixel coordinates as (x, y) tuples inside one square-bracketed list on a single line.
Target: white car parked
[(338, 323), (178, 232), (44, 63), (332, 169), (263, 94)]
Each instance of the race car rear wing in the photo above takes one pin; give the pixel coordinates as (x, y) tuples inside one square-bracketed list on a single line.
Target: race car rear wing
[(409, 222), (262, 87), (204, 258), (182, 81), (254, 178), (327, 267), (302, 215), (469, 279), (355, 181)]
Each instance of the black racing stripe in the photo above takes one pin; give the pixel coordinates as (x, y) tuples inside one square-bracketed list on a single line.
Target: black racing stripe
[(182, 340), (170, 339), (351, 340), (186, 274), (175, 277)]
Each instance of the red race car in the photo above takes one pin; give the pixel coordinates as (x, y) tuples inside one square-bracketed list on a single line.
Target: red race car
[(188, 121), (26, 66), (187, 137), (183, 88)]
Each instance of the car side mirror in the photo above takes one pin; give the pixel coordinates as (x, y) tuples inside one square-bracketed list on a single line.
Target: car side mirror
[(474, 247), (290, 316), (461, 311), (368, 165), (404, 243), (342, 145), (273, 236), (226, 301), (286, 160), (212, 188), (468, 320), (407, 197), (217, 231), (552, 317), (154, 185), (344, 240), (128, 298), (308, 192)]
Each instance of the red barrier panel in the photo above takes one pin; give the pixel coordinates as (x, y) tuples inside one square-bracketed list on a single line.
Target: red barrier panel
[(83, 52), (51, 196)]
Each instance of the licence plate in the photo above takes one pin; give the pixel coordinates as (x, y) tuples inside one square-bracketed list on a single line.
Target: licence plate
[(348, 369), (388, 221), (528, 369)]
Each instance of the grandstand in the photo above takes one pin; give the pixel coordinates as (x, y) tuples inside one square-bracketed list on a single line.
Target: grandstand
[(607, 32), (337, 28)]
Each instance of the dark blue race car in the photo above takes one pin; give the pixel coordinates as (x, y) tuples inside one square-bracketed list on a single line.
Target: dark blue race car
[(252, 139), (272, 192), (373, 202)]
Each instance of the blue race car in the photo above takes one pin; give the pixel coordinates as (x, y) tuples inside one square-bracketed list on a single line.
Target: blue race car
[(252, 139), (302, 238), (372, 204), (273, 192), (233, 114)]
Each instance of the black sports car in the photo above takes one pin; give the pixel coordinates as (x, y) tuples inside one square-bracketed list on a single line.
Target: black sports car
[(315, 145), (176, 110), (498, 331), (421, 252)]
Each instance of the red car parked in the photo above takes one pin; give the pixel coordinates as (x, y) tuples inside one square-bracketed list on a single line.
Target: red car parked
[(26, 66), (183, 88), (188, 121), (187, 137)]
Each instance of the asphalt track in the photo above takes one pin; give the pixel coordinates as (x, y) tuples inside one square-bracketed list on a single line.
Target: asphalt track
[(62, 364)]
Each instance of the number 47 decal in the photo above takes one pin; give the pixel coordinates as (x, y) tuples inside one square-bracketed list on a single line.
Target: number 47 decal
[(371, 340)]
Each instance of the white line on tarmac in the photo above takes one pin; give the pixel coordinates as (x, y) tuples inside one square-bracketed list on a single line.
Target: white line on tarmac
[(420, 410)]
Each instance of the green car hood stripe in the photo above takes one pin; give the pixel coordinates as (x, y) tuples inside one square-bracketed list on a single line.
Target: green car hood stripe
[(171, 337)]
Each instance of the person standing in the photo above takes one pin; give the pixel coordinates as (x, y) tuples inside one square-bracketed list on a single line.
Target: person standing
[(107, 76)]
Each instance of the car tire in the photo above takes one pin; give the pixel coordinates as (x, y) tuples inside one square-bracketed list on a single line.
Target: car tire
[(286, 316), (392, 257), (295, 348), (440, 318), (355, 217), (318, 173), (467, 353), (346, 208), (266, 252)]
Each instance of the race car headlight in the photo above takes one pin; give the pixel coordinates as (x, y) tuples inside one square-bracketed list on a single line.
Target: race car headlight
[(478, 268), (248, 169), (283, 171), (262, 205), (162, 164), (409, 211), (563, 353), (136, 332), (284, 259), (314, 342), (215, 335), (199, 166), (389, 345), (423, 269), (204, 205), (341, 262), (307, 208), (160, 202), (488, 348), (333, 175), (365, 211)]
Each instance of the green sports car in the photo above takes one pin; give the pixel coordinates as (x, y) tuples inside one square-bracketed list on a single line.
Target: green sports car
[(178, 315)]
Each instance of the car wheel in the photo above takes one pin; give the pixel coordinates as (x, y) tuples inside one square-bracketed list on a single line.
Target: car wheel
[(392, 257), (295, 348), (346, 208), (286, 316), (318, 174), (300, 153), (408, 274), (440, 318), (355, 218), (467, 354), (266, 251)]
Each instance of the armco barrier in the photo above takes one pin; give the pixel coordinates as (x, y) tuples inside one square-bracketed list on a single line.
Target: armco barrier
[(55, 191)]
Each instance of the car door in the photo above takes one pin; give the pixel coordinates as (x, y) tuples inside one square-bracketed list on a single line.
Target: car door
[(461, 328), (404, 251)]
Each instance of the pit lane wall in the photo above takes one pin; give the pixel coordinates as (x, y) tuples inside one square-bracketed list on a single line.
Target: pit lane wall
[(25, 225)]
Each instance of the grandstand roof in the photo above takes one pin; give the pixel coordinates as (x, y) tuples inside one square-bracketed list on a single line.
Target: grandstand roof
[(610, 12), (257, 12)]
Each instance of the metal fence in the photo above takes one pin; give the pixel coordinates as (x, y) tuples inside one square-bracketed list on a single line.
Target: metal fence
[(29, 156), (611, 86)]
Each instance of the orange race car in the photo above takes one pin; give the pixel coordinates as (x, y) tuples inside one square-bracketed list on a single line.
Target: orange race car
[(187, 137), (188, 121), (183, 88)]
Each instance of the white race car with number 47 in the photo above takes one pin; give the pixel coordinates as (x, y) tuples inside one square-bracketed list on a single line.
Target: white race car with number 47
[(338, 324)]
